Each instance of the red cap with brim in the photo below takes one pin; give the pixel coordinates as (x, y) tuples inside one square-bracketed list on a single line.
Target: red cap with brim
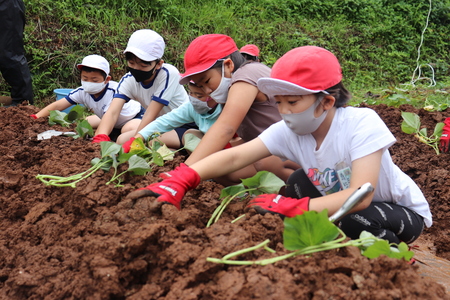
[(204, 52), (250, 49), (302, 71)]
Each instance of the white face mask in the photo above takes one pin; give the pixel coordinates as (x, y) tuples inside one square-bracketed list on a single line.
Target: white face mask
[(221, 93), (305, 123), (93, 87), (200, 107)]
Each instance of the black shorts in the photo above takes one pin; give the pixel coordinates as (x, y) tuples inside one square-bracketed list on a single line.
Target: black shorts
[(182, 129)]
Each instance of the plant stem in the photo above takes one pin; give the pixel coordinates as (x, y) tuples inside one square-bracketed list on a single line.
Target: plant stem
[(70, 180)]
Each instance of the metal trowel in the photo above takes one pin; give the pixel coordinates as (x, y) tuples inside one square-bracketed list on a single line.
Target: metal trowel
[(355, 198), (51, 133)]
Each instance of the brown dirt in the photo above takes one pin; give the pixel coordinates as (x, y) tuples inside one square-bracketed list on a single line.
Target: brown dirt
[(92, 243)]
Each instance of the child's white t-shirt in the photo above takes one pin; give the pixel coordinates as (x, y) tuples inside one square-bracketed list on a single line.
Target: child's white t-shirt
[(100, 105), (164, 88), (354, 133)]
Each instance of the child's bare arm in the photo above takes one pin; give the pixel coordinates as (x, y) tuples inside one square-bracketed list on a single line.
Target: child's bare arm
[(57, 105)]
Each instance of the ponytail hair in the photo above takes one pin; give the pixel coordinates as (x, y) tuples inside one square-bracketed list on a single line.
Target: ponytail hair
[(340, 93)]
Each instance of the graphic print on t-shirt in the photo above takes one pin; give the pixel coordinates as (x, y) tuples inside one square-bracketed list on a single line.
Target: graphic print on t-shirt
[(326, 181)]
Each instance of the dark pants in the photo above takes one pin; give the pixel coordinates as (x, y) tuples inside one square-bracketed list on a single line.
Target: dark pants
[(387, 221), (13, 64)]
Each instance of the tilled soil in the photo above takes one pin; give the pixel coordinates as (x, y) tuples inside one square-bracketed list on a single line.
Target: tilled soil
[(91, 242)]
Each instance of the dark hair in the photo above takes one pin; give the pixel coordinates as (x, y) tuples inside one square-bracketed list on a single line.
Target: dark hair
[(236, 57), (250, 57), (89, 70), (340, 93), (131, 56)]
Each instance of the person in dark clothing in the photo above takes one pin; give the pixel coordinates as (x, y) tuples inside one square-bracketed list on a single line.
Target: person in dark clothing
[(13, 63)]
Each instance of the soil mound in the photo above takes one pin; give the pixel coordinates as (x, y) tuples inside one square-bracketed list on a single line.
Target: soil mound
[(91, 242)]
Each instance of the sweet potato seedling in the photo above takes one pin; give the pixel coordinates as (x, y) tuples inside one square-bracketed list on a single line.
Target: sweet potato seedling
[(313, 232), (411, 125), (140, 158), (263, 182)]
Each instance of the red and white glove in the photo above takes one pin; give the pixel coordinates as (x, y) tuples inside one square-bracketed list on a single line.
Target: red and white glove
[(127, 145), (444, 142), (34, 116), (101, 138), (173, 188), (277, 204)]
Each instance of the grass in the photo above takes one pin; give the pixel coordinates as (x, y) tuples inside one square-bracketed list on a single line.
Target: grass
[(377, 42)]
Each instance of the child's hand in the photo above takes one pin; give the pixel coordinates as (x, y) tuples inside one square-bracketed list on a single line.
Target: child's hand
[(277, 204), (101, 138), (172, 189), (127, 145)]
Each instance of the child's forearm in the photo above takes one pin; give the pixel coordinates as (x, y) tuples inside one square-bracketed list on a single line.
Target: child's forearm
[(57, 105)]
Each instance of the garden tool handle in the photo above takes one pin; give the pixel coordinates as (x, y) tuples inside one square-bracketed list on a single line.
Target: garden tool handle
[(355, 198)]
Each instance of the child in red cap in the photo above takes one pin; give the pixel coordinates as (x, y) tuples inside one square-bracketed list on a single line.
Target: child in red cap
[(250, 52), (215, 64), (339, 147)]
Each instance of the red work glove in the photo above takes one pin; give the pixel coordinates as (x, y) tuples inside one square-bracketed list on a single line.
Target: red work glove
[(173, 188), (101, 138), (127, 145), (277, 204), (34, 116), (445, 137)]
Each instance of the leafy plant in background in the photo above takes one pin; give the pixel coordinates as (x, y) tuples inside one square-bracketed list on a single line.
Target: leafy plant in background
[(263, 182), (411, 125), (375, 41), (313, 232), (140, 158)]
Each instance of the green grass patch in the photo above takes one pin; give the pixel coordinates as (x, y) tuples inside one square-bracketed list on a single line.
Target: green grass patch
[(377, 42)]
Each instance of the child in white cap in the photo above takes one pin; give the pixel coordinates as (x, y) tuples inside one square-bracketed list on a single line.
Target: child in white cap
[(150, 81), (324, 136), (96, 93)]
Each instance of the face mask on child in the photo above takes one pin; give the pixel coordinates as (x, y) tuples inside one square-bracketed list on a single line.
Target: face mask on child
[(305, 123), (139, 75), (221, 93), (93, 87), (200, 107)]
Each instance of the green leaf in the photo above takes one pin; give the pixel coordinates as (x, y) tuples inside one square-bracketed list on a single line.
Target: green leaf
[(382, 247), (158, 159), (438, 130), (138, 165), (109, 148), (411, 123), (309, 229), (58, 117), (124, 157), (264, 182), (423, 132), (105, 167), (232, 190), (84, 129), (138, 147), (191, 141), (72, 115), (165, 152)]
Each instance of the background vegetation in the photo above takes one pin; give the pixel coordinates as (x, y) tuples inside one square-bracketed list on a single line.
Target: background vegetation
[(377, 41)]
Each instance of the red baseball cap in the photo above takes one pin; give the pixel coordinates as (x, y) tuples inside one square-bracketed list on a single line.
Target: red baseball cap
[(250, 49), (302, 71), (204, 51)]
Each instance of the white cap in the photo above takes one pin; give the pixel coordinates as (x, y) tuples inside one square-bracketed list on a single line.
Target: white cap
[(146, 44), (96, 62)]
